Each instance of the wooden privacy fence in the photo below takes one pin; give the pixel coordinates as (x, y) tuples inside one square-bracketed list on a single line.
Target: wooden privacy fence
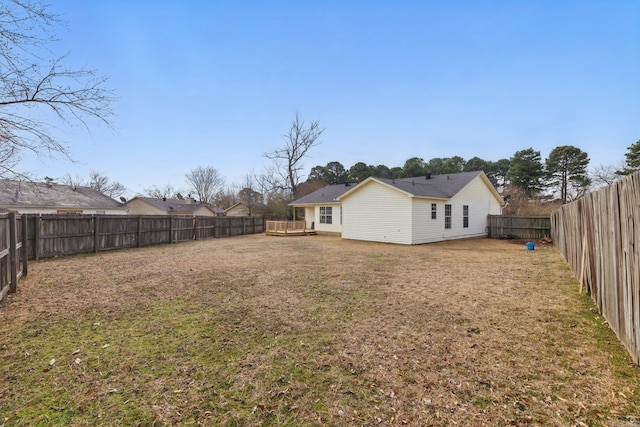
[(518, 226), (54, 235), (599, 236), (13, 253)]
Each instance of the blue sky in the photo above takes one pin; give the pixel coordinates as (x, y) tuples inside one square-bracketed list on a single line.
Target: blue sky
[(217, 83)]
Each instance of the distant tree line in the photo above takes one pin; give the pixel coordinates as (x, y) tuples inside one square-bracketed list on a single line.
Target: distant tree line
[(562, 175)]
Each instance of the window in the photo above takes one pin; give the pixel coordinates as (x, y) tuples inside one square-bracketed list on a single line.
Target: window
[(447, 216), (433, 210), (325, 215), (465, 216)]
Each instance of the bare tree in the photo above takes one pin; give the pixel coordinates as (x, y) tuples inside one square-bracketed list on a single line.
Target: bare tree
[(206, 182), (252, 199), (287, 161), (227, 197), (168, 192), (37, 90), (98, 181), (103, 184), (602, 176)]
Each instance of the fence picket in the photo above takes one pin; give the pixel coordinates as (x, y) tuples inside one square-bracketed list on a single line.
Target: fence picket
[(609, 221), (13, 262)]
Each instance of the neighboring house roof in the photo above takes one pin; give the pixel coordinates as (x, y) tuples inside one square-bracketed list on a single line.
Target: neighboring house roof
[(327, 194), (23, 194), (443, 186), (176, 206)]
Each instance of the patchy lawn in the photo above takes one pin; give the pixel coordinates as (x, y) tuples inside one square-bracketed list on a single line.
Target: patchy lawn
[(259, 330)]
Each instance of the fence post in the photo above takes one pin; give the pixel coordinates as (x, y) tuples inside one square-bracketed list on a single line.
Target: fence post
[(170, 229), (25, 245), (13, 253), (195, 228), (36, 238), (139, 230), (96, 220)]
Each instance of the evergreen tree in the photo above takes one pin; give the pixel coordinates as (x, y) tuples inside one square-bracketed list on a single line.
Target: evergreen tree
[(476, 164), (414, 166), (453, 164), (332, 173), (359, 172), (498, 171), (526, 171), (436, 166), (382, 171), (318, 173), (336, 173), (632, 160), (566, 169)]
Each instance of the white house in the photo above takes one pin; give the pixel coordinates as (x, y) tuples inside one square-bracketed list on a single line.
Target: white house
[(48, 198), (408, 210), (322, 209)]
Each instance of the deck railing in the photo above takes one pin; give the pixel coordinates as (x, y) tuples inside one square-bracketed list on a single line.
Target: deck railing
[(285, 227)]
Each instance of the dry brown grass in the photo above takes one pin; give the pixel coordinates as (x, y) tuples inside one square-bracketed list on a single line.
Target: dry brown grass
[(259, 330)]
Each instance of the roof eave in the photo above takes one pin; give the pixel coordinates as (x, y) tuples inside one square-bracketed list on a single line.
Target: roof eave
[(493, 190), (444, 199), (301, 205)]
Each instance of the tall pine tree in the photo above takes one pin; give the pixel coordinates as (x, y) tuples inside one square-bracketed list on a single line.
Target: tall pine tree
[(526, 171), (567, 170)]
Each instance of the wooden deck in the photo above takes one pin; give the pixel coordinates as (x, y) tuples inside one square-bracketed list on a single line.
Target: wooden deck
[(288, 228)]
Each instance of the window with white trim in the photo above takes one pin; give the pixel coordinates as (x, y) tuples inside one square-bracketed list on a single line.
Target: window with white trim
[(447, 216), (465, 216), (434, 211), (326, 215)]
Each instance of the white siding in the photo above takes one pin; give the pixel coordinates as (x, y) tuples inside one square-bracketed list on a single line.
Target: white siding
[(481, 202), (204, 211), (425, 229), (237, 210), (377, 213), (309, 216), (313, 214)]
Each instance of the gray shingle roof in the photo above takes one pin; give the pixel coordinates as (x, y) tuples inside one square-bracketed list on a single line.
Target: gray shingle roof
[(327, 194), (14, 194), (437, 186)]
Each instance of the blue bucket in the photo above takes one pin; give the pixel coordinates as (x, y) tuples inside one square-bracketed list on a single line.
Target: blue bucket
[(530, 246)]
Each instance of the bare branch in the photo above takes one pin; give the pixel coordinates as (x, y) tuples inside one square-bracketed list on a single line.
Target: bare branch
[(98, 181), (169, 192), (206, 182), (32, 87), (287, 161)]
